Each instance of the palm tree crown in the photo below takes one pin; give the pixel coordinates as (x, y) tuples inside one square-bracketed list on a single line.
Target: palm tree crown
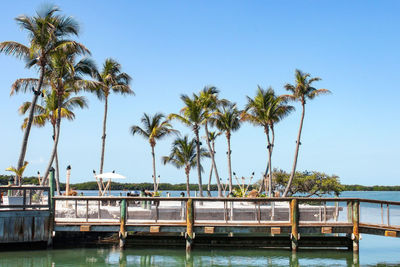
[(112, 79), (303, 88)]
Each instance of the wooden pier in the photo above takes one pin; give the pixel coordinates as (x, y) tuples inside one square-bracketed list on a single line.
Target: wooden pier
[(291, 223)]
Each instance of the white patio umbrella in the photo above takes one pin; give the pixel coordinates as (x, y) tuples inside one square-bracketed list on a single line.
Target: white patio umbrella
[(109, 176)]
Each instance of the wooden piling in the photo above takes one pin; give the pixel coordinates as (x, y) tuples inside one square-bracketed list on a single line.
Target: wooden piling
[(294, 219), (122, 231), (356, 222), (189, 224)]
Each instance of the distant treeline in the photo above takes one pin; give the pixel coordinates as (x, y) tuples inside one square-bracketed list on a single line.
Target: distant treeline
[(178, 187), (357, 187)]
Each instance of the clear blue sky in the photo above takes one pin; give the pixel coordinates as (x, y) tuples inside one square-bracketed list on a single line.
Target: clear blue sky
[(175, 47)]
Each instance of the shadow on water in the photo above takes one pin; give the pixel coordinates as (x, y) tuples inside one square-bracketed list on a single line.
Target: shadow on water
[(113, 256)]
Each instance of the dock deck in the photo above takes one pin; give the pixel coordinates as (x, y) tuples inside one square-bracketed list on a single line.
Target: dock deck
[(264, 222)]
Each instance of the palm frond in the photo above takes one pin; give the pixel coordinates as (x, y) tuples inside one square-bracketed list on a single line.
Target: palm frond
[(14, 48), (23, 85)]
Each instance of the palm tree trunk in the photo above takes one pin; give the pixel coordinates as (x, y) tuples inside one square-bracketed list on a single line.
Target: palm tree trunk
[(269, 163), (272, 149), (209, 181), (196, 132), (228, 138), (57, 175), (211, 170), (57, 137), (154, 168), (296, 153), (187, 172), (57, 166), (213, 160), (25, 138), (103, 137)]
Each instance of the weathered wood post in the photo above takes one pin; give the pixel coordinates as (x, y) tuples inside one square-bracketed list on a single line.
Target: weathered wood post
[(51, 208), (294, 219), (122, 232), (189, 224), (356, 222), (67, 180)]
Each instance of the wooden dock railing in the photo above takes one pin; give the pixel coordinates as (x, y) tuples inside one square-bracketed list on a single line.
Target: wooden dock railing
[(24, 198)]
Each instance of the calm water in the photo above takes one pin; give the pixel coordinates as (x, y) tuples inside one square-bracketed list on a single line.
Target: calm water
[(374, 251)]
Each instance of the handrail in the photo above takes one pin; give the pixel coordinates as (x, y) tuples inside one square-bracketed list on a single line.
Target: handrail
[(8, 187), (23, 190), (234, 199)]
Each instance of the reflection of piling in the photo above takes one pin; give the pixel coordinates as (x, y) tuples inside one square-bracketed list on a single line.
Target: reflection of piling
[(189, 225), (294, 260), (189, 259)]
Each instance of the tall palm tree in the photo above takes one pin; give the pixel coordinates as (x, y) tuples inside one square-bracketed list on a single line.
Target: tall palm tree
[(64, 73), (209, 101), (212, 136), (227, 120), (48, 33), (154, 128), (301, 91), (183, 154), (110, 79), (265, 110), (192, 115), (47, 112)]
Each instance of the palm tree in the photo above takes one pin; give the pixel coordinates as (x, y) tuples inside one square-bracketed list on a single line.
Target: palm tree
[(110, 79), (47, 112), (18, 172), (183, 154), (265, 110), (227, 120), (212, 136), (209, 101), (154, 128), (64, 74), (301, 91), (48, 33), (192, 115)]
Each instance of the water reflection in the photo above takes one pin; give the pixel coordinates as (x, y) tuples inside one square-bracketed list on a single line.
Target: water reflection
[(176, 257)]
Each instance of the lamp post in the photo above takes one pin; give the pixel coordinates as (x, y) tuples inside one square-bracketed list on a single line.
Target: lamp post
[(67, 182)]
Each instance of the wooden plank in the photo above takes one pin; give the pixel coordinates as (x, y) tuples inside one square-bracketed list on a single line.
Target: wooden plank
[(275, 230), (391, 233), (326, 230), (154, 229), (85, 228), (208, 230), (38, 229)]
